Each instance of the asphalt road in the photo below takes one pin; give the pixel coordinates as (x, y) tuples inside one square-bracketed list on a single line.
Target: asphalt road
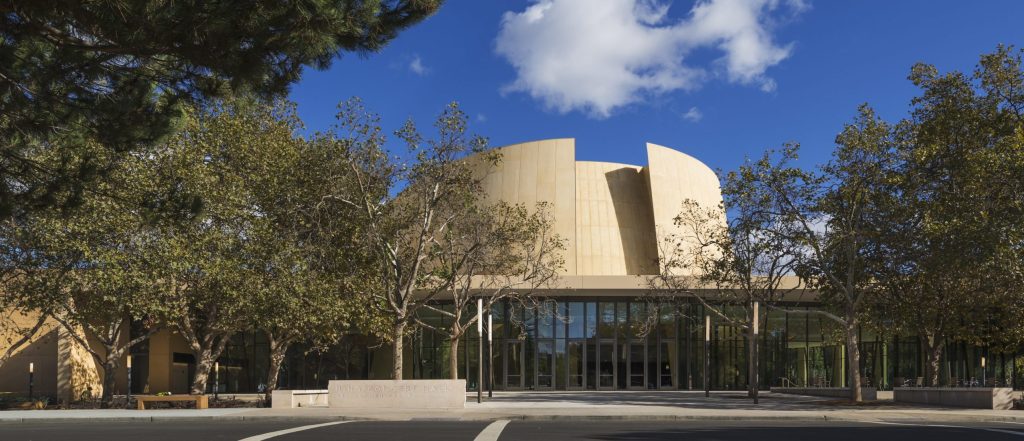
[(505, 431)]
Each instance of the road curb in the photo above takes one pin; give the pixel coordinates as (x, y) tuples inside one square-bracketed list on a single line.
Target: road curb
[(911, 419)]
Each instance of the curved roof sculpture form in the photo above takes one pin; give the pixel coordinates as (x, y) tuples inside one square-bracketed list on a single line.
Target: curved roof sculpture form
[(613, 216)]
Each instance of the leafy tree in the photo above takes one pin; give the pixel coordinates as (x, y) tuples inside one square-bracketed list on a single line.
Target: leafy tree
[(404, 206), (294, 301), (848, 201), (492, 252), (300, 290), (87, 268), (205, 259), (955, 245), (118, 73), (828, 218), (727, 263)]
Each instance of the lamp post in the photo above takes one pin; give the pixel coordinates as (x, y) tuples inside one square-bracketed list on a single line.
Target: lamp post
[(707, 355), (983, 384), (128, 364), (490, 354), (755, 380), (480, 350), (216, 379), (31, 382)]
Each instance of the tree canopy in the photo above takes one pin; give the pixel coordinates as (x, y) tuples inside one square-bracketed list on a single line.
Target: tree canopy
[(119, 72)]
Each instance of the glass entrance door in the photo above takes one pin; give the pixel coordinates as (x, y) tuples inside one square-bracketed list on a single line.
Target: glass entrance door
[(514, 365), (667, 365), (545, 364), (576, 361), (606, 364), (637, 357)]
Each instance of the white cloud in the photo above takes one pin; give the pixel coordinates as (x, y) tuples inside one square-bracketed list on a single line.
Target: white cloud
[(693, 115), (417, 67), (481, 118), (597, 56)]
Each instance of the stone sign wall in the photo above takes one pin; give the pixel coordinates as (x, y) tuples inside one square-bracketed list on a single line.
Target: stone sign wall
[(998, 398), (397, 394)]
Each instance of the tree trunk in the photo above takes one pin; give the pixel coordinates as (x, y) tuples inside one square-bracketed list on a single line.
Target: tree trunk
[(398, 335), (853, 361), (110, 366), (278, 349), (204, 364), (933, 349), (453, 358), (276, 359), (209, 351)]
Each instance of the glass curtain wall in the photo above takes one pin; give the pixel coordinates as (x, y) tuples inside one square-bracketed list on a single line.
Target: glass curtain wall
[(621, 344), (574, 345), (614, 344)]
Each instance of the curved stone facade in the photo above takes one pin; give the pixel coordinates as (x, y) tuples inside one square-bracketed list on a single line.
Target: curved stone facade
[(613, 216)]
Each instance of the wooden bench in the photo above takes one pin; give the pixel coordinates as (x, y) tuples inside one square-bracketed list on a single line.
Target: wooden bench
[(202, 401)]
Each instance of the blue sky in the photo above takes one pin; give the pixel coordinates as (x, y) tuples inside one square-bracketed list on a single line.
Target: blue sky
[(718, 79)]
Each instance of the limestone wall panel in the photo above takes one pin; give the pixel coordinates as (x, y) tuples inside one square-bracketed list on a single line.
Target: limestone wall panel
[(614, 229), (673, 177), (540, 171)]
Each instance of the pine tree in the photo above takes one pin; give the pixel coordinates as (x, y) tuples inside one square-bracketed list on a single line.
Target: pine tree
[(117, 72)]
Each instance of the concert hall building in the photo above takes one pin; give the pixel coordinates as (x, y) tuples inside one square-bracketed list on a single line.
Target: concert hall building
[(613, 218)]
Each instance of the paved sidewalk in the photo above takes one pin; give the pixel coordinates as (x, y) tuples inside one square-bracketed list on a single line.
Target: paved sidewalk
[(618, 405)]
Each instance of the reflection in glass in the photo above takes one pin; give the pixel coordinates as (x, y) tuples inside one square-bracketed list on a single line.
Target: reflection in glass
[(606, 327), (591, 320), (576, 320), (621, 318), (560, 319), (545, 320), (667, 323)]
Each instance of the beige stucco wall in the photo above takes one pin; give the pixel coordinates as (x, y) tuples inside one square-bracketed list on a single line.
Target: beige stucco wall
[(41, 350), (78, 375), (614, 217), (64, 369)]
